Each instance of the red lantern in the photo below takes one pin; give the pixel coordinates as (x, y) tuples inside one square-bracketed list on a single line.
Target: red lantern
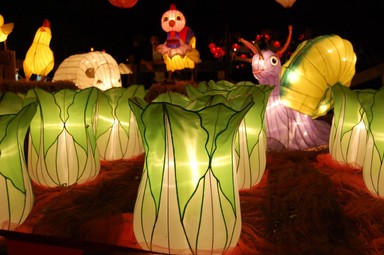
[(267, 37), (235, 46), (276, 44), (212, 45), (123, 3)]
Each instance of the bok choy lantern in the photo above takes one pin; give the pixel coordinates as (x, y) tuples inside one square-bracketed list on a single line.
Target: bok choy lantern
[(16, 196), (188, 200), (10, 102), (62, 148), (373, 167), (348, 138), (250, 147), (117, 133)]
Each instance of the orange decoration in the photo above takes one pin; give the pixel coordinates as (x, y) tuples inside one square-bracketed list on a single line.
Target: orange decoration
[(123, 3)]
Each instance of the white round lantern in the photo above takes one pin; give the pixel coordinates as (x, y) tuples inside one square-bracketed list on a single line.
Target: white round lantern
[(96, 68)]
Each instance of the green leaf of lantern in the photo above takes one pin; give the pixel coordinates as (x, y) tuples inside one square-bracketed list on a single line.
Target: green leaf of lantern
[(13, 129), (80, 105)]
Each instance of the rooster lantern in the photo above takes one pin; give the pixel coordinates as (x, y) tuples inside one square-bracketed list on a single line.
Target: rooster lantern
[(39, 59), (179, 51)]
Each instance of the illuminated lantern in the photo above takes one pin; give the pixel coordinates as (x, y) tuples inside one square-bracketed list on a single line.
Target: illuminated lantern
[(348, 138), (5, 30), (315, 66), (123, 3), (250, 147), (179, 51), (286, 3), (39, 59), (62, 146), (116, 128), (16, 195), (10, 102), (93, 69), (188, 199), (287, 129), (373, 167)]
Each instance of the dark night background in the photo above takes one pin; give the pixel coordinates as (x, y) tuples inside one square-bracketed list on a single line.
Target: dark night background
[(78, 25)]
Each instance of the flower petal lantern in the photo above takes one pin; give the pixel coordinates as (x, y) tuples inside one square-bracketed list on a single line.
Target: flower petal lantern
[(93, 69), (373, 166), (39, 59), (123, 3), (188, 200), (315, 66), (116, 129), (62, 145), (348, 138), (251, 140), (16, 195)]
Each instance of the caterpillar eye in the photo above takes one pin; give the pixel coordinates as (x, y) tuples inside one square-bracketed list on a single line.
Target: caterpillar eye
[(274, 60)]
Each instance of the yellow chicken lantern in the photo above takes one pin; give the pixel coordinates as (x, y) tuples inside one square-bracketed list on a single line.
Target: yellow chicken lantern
[(39, 59), (5, 30)]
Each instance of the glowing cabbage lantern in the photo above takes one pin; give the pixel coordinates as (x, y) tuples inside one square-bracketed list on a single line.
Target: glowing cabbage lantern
[(123, 3), (315, 66), (93, 69), (10, 102), (373, 167), (188, 200), (116, 130), (250, 147), (348, 138), (62, 146), (16, 195), (179, 51), (39, 59)]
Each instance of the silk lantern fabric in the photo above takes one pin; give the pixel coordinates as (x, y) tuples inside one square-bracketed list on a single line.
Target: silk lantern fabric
[(315, 66), (188, 200), (62, 147), (116, 129), (93, 69), (348, 138), (250, 147), (39, 58), (16, 194)]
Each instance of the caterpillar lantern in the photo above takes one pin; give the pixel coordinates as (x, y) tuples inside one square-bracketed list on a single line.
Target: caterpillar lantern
[(302, 89), (314, 68)]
